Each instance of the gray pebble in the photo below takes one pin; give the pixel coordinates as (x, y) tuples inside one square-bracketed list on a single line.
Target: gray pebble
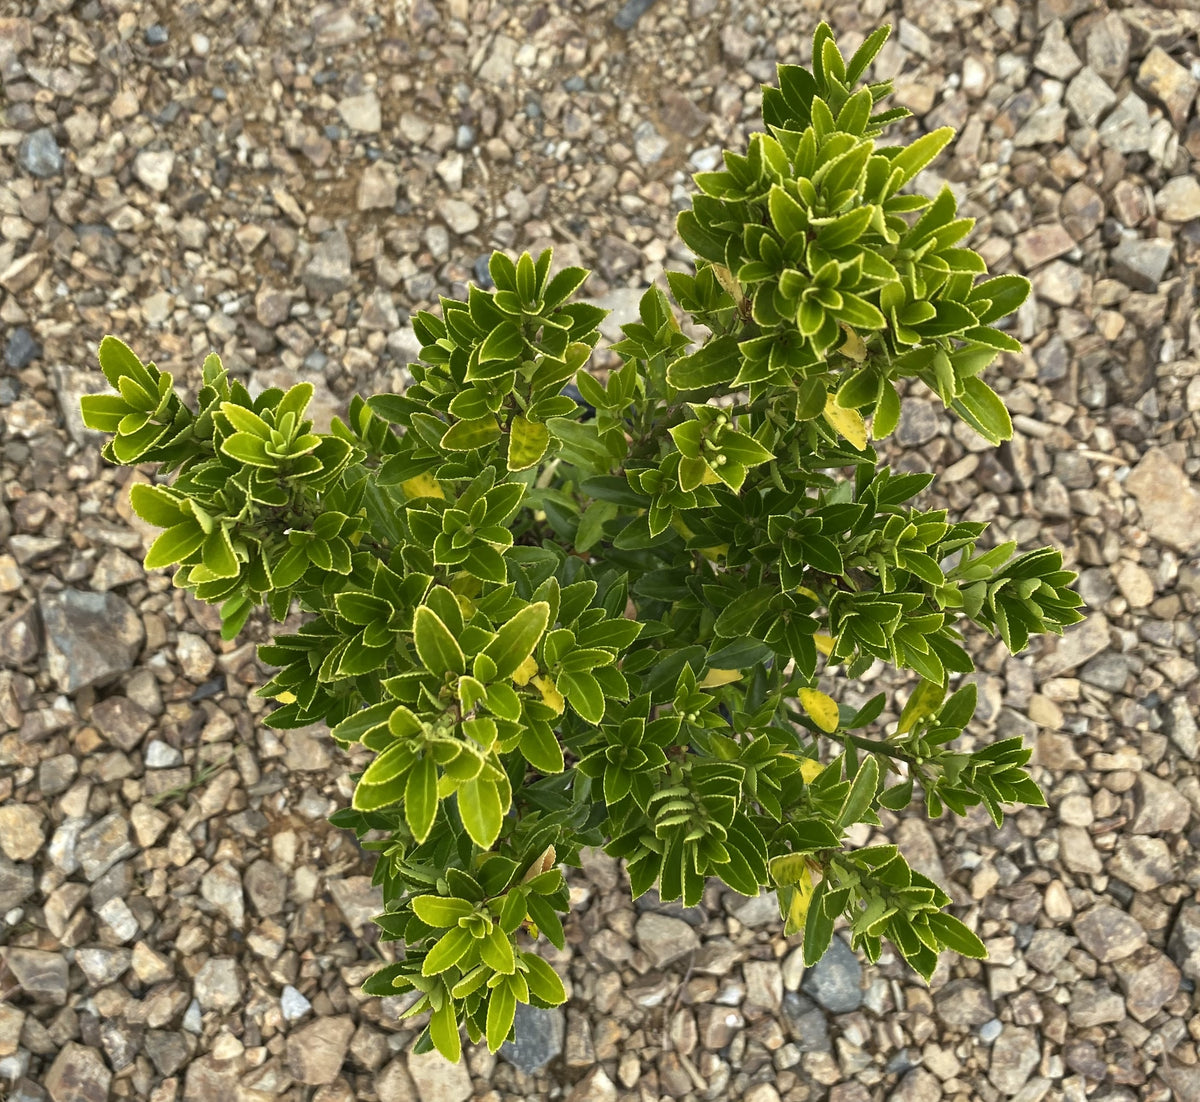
[(40, 155)]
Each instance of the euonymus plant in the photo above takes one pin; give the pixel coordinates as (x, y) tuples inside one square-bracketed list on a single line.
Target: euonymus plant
[(601, 618)]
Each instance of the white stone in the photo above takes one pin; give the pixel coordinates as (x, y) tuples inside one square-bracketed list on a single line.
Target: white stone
[(153, 168), (362, 113), (1179, 199), (292, 1004)]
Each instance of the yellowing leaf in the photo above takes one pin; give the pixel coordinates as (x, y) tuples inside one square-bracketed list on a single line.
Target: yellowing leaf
[(846, 422), (726, 280), (802, 895), (854, 347), (824, 643), (788, 868), (678, 524), (422, 485), (551, 697), (822, 709), (716, 678), (804, 591), (716, 552), (926, 699), (810, 769), (527, 443), (709, 478), (285, 697), (525, 671), (543, 864)]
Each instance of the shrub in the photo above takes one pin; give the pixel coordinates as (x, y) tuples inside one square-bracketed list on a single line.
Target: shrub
[(562, 621)]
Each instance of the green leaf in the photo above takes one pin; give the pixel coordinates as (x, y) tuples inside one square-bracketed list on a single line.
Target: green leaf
[(857, 312), (543, 981), (983, 409), (503, 343), (421, 799), (103, 412), (131, 448), (174, 545), (503, 702), (527, 443), (217, 554), (787, 214), (443, 1031), (466, 436), (564, 285), (393, 762), (383, 982), (436, 646), (743, 448), (953, 934), (154, 505), (249, 449), (440, 911), (541, 749), (516, 639), (583, 693), (246, 420), (117, 359), (481, 811), (887, 412), (546, 917), (916, 156), (713, 364), (448, 950), (818, 927), (1004, 293), (862, 793), (591, 524), (357, 724), (705, 242), (866, 53), (496, 951), (502, 1008), (738, 654), (845, 229)]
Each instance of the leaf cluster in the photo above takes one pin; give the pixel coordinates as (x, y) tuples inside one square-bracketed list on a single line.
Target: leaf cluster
[(562, 609)]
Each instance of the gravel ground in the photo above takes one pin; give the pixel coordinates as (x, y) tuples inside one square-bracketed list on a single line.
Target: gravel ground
[(284, 183)]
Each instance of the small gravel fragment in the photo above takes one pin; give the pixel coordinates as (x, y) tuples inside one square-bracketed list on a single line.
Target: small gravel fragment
[(538, 1038), (78, 1074), (39, 153), (293, 1005), (153, 169), (835, 981), (21, 349), (664, 939), (438, 1080), (631, 11), (22, 831), (1108, 933)]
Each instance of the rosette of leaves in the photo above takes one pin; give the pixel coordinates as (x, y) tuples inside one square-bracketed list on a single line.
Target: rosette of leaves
[(544, 619)]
